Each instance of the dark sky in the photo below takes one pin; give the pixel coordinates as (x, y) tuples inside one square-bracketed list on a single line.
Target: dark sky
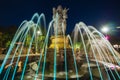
[(92, 12)]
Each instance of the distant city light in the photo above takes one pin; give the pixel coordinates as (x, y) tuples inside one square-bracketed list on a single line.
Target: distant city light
[(118, 27)]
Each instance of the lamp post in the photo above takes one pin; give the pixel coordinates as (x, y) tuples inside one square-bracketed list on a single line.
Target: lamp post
[(37, 39)]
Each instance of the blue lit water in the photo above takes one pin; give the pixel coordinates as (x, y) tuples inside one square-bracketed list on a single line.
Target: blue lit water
[(96, 60)]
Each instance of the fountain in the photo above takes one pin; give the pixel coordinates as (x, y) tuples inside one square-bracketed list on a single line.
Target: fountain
[(35, 54)]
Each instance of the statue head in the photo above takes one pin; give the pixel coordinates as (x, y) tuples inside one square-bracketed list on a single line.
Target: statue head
[(60, 15)]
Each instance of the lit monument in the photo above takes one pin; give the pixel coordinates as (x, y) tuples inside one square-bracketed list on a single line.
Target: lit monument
[(60, 42), (59, 39)]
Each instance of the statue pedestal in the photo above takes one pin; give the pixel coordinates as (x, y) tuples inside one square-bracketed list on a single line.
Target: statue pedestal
[(60, 59), (59, 42)]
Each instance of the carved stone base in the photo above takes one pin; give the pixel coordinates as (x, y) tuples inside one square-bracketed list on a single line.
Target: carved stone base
[(60, 59), (59, 42)]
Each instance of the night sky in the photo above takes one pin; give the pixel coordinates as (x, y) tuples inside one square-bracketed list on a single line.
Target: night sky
[(91, 12)]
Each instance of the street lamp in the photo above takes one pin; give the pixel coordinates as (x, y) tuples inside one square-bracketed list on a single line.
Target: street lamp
[(105, 29), (39, 32)]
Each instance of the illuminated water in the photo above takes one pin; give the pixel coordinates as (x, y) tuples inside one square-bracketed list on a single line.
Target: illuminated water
[(93, 56)]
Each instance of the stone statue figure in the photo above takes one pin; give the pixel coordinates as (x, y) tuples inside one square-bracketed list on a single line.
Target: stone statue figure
[(59, 16)]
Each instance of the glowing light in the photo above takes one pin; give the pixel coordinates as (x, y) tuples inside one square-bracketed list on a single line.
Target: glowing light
[(105, 29), (39, 33), (118, 27), (107, 37)]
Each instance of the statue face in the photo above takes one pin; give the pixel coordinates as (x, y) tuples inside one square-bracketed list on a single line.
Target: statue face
[(59, 8)]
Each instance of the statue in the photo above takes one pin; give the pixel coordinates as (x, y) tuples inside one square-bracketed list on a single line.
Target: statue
[(59, 25), (59, 16)]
